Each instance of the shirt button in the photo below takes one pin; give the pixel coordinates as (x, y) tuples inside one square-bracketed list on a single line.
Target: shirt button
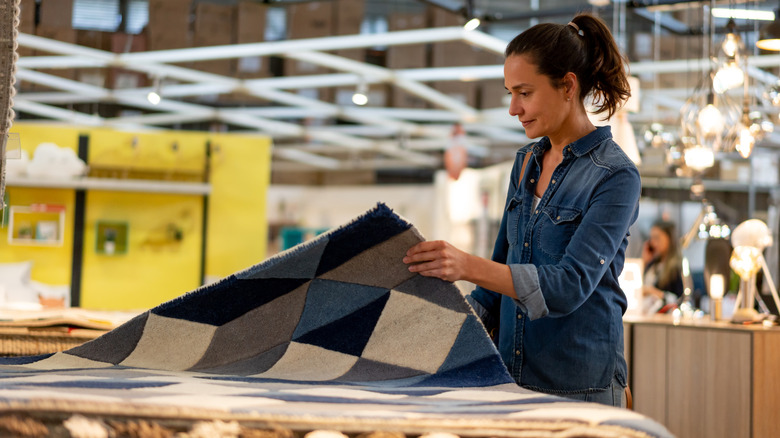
[(553, 181), (525, 244), (519, 316), (601, 261), (536, 211), (533, 180), (517, 352), (558, 218)]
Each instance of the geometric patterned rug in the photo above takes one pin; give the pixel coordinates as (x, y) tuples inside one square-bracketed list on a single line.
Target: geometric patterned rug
[(333, 333)]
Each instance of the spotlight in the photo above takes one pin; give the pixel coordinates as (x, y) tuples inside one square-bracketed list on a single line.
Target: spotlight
[(361, 94), (154, 97), (472, 24)]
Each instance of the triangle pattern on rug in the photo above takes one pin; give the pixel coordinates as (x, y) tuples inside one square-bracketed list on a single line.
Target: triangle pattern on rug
[(307, 259), (328, 301), (370, 267), (209, 306), (349, 334), (345, 243)]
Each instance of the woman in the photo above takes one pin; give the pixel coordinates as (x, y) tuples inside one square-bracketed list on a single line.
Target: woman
[(551, 289), (663, 265)]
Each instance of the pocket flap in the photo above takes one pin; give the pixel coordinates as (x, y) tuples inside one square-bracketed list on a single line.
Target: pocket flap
[(562, 214)]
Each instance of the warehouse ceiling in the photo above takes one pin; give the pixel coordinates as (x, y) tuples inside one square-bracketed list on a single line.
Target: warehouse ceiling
[(315, 130)]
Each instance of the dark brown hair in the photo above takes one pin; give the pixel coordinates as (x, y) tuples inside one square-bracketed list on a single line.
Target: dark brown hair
[(586, 49), (671, 262)]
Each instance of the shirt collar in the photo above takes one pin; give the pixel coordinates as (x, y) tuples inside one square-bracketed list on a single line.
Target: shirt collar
[(580, 146)]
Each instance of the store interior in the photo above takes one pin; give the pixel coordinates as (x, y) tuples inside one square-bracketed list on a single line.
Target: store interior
[(162, 145)]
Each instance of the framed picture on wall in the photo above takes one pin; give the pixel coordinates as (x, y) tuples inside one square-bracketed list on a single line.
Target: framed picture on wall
[(111, 237)]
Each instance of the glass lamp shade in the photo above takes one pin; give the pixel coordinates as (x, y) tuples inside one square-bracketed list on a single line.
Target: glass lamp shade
[(728, 76), (710, 120), (769, 38), (745, 261)]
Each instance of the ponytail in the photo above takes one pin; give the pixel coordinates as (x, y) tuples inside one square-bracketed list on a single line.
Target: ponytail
[(584, 47)]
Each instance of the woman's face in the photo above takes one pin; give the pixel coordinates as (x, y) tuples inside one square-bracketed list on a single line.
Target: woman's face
[(538, 105), (659, 241)]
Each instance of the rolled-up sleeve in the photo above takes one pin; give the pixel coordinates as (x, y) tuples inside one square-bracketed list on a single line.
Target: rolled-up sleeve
[(529, 299)]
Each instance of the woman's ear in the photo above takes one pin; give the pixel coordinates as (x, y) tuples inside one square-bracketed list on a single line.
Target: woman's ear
[(570, 85)]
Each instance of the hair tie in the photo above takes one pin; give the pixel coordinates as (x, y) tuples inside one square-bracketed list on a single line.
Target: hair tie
[(576, 28)]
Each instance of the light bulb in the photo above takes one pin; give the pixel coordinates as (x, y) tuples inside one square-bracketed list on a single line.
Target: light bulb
[(153, 97), (699, 157), (729, 76), (716, 286), (745, 261), (359, 99), (730, 45), (710, 120), (472, 24), (745, 141)]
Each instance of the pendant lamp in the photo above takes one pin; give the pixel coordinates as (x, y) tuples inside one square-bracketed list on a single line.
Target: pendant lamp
[(769, 36)]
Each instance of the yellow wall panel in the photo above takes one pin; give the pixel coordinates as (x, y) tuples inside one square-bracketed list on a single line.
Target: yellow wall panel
[(154, 150), (237, 220), (33, 134), (156, 267), (51, 264)]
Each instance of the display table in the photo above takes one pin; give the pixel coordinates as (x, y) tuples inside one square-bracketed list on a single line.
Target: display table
[(34, 332), (702, 378)]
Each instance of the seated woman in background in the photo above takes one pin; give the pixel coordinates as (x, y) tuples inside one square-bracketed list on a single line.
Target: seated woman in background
[(663, 282)]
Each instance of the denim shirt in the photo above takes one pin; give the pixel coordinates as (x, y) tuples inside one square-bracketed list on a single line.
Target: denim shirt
[(564, 332)]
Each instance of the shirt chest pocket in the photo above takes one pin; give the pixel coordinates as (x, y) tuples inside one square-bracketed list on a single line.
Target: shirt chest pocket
[(557, 226), (514, 210)]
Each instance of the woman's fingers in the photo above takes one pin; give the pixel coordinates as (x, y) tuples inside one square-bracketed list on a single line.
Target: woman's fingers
[(432, 259)]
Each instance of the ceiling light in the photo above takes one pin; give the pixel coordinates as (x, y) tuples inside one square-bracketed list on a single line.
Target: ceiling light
[(598, 3), (743, 14), (361, 94), (472, 24), (154, 97), (769, 37)]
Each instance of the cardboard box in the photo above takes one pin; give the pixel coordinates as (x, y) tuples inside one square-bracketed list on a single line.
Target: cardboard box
[(214, 26), (250, 28), (169, 24), (347, 20), (26, 23), (55, 13), (307, 20), (403, 57)]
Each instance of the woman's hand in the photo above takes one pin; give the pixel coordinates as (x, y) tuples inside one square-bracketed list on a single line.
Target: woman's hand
[(438, 259), (654, 291)]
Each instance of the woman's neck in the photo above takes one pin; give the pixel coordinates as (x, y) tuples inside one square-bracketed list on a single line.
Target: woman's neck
[(578, 126)]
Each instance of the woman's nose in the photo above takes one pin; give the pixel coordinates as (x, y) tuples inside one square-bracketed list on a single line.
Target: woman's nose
[(514, 109)]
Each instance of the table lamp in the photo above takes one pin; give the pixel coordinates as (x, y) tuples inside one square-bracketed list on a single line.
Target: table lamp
[(749, 239)]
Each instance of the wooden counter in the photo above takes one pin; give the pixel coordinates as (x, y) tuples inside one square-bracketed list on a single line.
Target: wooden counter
[(705, 379)]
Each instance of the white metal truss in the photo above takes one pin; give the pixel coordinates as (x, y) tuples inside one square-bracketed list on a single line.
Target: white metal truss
[(394, 136)]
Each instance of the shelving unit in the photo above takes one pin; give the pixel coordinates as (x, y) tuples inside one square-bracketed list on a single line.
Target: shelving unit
[(36, 225), (111, 184)]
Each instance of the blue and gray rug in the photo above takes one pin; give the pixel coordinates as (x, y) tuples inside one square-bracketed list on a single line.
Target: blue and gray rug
[(333, 333)]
